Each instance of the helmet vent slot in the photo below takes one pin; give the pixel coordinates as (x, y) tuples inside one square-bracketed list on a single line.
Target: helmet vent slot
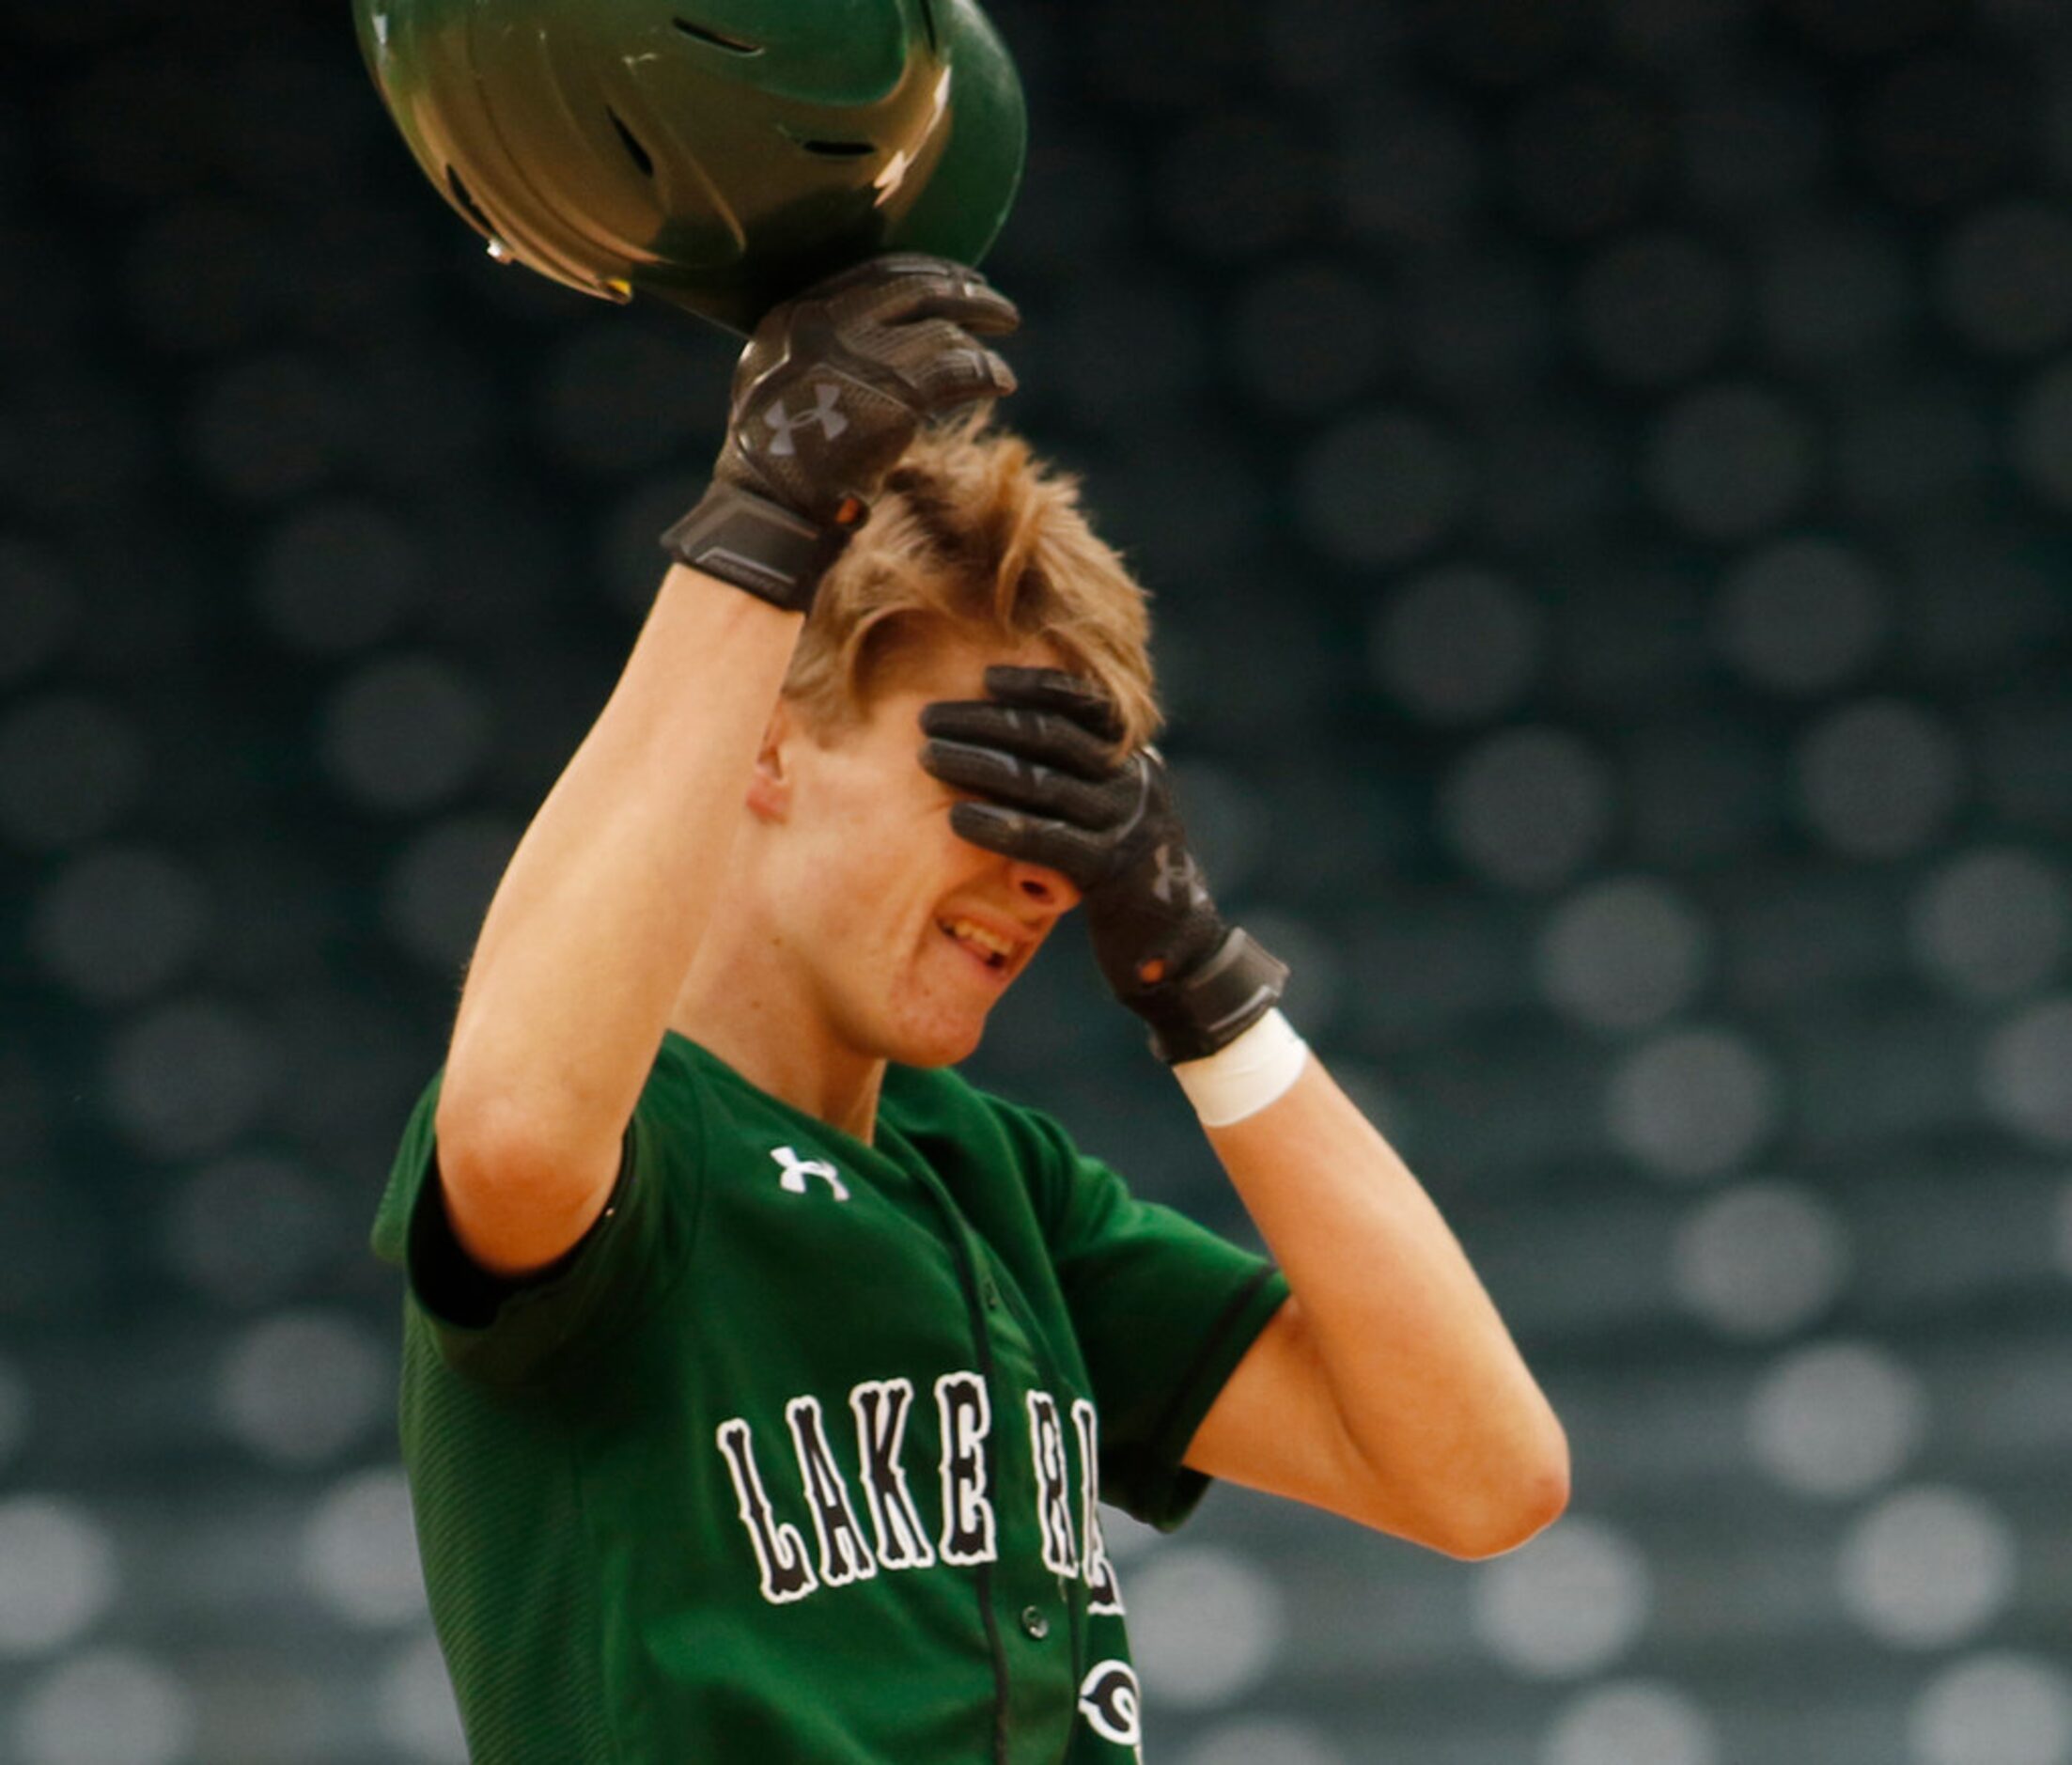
[(638, 154), (839, 150), (719, 40), (469, 207)]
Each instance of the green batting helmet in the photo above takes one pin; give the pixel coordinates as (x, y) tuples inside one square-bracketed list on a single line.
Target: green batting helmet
[(722, 154)]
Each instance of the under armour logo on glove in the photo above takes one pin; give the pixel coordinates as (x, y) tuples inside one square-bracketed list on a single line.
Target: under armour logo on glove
[(797, 1169), (830, 421), (1178, 877)]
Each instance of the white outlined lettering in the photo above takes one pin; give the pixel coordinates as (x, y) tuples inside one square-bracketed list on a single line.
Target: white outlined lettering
[(845, 1554), (779, 1549), (1104, 1592), (881, 1407), (966, 1413), (1053, 1478)]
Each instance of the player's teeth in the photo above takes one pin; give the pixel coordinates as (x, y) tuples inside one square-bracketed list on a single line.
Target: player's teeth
[(977, 934)]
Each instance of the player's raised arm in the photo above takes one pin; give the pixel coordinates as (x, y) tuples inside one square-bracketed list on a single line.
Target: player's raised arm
[(609, 893), (1386, 1388)]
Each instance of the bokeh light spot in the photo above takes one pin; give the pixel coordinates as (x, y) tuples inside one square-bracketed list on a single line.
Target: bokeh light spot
[(439, 887), (405, 733), (1632, 1722), (303, 1386), (1383, 488), (57, 1573), (121, 923), (415, 1707), (338, 575), (1732, 461), (251, 1228), (1206, 1625), (1927, 1568), (1622, 953), (2026, 1073), (1760, 1261), (1693, 1102), (1991, 924), (1528, 806), (359, 1552), (1457, 645), (187, 1078), (1264, 1741), (1998, 1709), (1572, 1605), (1837, 1418), (1305, 337), (109, 1707), (1833, 292), (1803, 615), (1881, 778), (2005, 278)]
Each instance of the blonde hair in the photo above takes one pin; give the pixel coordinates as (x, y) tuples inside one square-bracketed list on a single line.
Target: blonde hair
[(972, 534)]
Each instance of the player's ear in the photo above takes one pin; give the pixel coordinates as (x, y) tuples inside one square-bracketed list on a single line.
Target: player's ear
[(770, 785)]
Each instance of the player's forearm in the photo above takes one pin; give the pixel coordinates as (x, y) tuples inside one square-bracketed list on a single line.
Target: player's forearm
[(612, 887), (1427, 1382)]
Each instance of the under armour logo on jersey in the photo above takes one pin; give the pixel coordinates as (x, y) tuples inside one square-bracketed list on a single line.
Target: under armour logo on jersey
[(1178, 876), (1111, 1704), (797, 1169), (830, 421)]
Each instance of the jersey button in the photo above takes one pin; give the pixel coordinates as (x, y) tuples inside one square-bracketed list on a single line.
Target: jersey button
[(1034, 1623)]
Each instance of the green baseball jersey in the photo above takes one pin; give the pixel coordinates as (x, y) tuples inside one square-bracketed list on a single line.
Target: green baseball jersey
[(796, 1458)]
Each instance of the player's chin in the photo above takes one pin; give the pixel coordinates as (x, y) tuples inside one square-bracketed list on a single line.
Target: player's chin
[(940, 1032), (942, 1044)]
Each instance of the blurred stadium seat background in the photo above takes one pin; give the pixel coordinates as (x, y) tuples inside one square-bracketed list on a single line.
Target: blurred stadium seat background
[(1605, 469)]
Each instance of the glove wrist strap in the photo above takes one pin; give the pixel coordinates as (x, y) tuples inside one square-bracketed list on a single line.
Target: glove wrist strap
[(756, 544), (1215, 1002)]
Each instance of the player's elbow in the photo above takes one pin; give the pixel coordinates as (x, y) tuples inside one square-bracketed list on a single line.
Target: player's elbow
[(1528, 1492), (1496, 1527), (517, 1197)]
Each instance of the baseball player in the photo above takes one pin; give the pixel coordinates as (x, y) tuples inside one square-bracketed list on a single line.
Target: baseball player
[(763, 1380)]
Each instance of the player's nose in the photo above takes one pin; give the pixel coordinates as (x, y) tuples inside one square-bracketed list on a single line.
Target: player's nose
[(1037, 886)]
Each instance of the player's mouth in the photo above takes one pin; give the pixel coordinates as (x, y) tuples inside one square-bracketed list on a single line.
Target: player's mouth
[(990, 949)]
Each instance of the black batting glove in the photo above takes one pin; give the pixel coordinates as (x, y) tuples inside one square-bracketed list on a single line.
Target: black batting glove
[(1040, 754), (828, 393)]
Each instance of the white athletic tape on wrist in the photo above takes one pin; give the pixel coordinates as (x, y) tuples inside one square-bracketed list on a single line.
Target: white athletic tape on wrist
[(1242, 1079)]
